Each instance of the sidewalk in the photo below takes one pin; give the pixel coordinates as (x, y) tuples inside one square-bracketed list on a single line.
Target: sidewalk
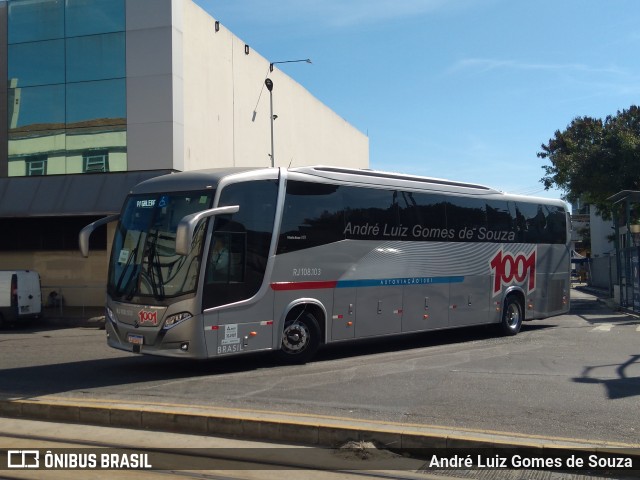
[(74, 316), (602, 295)]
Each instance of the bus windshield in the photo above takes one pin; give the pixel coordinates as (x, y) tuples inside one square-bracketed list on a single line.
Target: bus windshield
[(144, 263)]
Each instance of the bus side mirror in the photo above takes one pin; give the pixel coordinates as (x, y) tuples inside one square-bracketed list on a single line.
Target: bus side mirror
[(187, 226), (85, 233)]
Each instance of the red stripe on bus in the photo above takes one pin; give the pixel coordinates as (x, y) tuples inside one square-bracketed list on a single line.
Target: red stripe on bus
[(279, 286)]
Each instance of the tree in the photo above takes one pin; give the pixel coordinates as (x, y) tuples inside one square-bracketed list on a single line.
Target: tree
[(594, 159)]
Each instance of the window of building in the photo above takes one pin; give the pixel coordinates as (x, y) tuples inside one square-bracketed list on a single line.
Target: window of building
[(90, 17), (96, 161), (95, 57), (102, 102), (38, 108), (66, 85), (48, 70), (36, 165), (33, 20)]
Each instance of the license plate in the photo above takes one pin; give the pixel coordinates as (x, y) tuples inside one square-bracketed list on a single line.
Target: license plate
[(135, 339)]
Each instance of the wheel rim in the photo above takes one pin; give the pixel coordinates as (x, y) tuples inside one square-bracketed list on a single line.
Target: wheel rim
[(296, 338), (513, 316)]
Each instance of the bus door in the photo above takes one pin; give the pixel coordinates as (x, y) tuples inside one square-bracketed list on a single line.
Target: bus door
[(425, 307), (235, 269), (379, 310), (470, 301)]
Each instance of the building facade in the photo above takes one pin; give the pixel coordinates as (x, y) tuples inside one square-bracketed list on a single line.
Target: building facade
[(102, 94)]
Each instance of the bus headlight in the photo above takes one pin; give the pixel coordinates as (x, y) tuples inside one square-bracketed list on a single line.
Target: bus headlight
[(111, 316), (174, 320)]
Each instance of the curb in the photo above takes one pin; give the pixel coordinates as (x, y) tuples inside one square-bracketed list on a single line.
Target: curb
[(282, 427)]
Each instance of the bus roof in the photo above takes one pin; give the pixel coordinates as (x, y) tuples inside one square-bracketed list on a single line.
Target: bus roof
[(388, 178), (209, 179), (190, 180)]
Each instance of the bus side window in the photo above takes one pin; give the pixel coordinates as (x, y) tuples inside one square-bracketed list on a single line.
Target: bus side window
[(239, 247), (227, 257), (313, 216)]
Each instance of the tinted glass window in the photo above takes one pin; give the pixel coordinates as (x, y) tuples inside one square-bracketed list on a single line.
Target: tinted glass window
[(372, 214), (104, 100), (501, 225), (32, 20), (239, 247), (95, 57), (86, 17), (466, 217), (532, 220), (313, 215), (541, 223), (500, 215), (425, 215), (47, 141), (112, 155), (37, 63), (39, 108), (556, 225), (66, 65)]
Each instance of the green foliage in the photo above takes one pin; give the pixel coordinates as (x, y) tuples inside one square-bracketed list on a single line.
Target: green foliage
[(594, 159)]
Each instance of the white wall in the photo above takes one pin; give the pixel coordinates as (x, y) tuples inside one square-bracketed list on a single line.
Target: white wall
[(192, 91), (222, 85), (600, 230)]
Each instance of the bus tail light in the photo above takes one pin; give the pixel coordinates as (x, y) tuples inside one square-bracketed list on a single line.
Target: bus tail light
[(175, 319)]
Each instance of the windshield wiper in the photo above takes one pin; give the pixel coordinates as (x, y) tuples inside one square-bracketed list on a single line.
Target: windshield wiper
[(154, 267), (125, 269)]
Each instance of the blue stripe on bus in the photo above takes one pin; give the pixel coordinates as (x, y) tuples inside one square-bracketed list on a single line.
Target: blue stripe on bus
[(390, 282)]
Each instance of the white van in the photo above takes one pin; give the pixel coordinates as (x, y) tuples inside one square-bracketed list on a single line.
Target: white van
[(20, 295)]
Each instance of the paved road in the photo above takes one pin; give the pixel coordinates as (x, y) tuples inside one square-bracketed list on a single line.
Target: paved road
[(573, 376)]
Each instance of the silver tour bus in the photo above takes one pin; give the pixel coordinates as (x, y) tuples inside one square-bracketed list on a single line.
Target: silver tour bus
[(221, 262)]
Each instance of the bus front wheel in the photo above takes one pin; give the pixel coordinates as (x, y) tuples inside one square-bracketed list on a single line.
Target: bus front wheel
[(511, 316), (300, 338)]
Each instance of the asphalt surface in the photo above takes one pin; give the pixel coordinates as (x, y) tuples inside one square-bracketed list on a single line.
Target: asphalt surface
[(170, 414)]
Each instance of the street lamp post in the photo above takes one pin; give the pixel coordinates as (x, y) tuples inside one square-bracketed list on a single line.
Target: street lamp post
[(269, 85), (307, 60)]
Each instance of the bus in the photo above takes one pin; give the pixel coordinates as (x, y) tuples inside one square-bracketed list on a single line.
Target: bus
[(222, 262)]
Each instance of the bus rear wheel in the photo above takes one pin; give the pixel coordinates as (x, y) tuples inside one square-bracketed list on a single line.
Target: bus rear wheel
[(300, 338), (512, 316)]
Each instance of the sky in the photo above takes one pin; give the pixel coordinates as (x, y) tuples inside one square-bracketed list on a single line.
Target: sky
[(466, 90)]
